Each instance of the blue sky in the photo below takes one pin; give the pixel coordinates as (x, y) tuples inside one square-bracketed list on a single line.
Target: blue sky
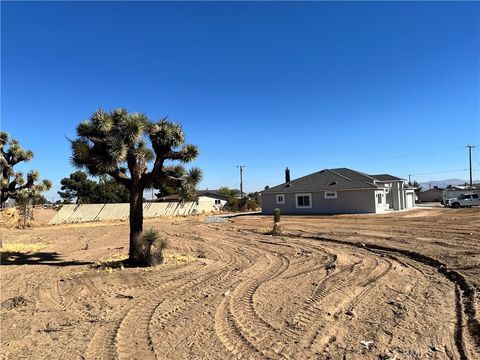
[(375, 86)]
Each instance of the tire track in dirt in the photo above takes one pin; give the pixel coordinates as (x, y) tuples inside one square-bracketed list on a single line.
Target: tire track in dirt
[(133, 324), (102, 345), (307, 317), (242, 331), (246, 326), (186, 301), (75, 295), (321, 332), (315, 263), (464, 298), (372, 269), (238, 299)]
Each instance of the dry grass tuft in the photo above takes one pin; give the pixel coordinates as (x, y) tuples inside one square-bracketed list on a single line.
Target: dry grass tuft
[(120, 261), (9, 218), (22, 248), (172, 258), (116, 261)]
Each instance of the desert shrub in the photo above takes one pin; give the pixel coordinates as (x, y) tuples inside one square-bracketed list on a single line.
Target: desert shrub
[(252, 205), (153, 244), (242, 204), (233, 204)]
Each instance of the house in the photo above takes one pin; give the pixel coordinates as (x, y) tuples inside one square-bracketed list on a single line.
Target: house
[(338, 191), (209, 199), (9, 203), (431, 195)]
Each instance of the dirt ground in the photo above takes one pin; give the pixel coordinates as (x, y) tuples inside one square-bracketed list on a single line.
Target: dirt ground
[(394, 286)]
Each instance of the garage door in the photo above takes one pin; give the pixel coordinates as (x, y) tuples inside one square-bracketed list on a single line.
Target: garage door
[(409, 200)]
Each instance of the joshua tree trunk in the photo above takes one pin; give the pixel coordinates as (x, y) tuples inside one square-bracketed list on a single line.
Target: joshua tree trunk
[(136, 224)]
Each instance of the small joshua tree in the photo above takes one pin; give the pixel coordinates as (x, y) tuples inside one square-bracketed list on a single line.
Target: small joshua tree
[(154, 245), (277, 229), (12, 183), (25, 207), (116, 143)]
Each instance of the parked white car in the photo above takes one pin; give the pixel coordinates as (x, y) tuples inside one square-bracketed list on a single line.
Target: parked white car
[(463, 200)]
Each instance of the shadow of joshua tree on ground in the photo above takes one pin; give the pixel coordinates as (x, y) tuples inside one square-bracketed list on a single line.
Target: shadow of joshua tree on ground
[(37, 258)]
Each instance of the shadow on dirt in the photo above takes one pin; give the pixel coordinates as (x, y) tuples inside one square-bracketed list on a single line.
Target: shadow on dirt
[(38, 258)]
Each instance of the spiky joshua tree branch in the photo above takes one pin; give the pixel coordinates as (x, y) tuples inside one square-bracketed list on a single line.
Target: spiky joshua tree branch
[(134, 151), (13, 184)]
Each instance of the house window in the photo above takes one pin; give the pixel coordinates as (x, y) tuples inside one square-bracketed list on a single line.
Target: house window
[(218, 202), (304, 200), (280, 199), (379, 198), (330, 194)]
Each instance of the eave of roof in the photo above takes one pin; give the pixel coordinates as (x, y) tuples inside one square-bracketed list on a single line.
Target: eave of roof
[(386, 177), (327, 179)]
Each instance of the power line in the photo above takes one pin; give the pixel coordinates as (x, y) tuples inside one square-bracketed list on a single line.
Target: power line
[(262, 181), (403, 156), (227, 181)]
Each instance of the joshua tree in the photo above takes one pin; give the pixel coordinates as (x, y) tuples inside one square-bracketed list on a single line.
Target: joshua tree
[(115, 143), (13, 184), (154, 244)]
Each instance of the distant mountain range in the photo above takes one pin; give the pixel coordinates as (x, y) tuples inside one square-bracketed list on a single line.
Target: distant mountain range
[(444, 183)]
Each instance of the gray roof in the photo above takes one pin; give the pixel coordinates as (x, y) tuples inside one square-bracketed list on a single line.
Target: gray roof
[(327, 179), (386, 177)]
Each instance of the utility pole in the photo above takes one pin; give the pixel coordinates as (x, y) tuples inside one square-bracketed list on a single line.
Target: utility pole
[(241, 179), (470, 161), (409, 179)]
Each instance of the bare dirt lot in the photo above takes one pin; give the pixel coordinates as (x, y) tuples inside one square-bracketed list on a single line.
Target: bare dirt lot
[(393, 286)]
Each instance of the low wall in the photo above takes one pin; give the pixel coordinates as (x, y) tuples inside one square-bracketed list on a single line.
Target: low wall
[(102, 212)]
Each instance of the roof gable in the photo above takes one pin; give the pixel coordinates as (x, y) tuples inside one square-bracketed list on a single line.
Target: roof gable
[(327, 179), (352, 174)]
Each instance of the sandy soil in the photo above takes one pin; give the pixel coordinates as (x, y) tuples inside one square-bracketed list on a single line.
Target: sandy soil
[(394, 286)]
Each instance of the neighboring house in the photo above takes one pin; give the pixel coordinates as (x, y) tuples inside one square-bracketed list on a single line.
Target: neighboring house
[(432, 195), (339, 191), (9, 203), (208, 199)]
